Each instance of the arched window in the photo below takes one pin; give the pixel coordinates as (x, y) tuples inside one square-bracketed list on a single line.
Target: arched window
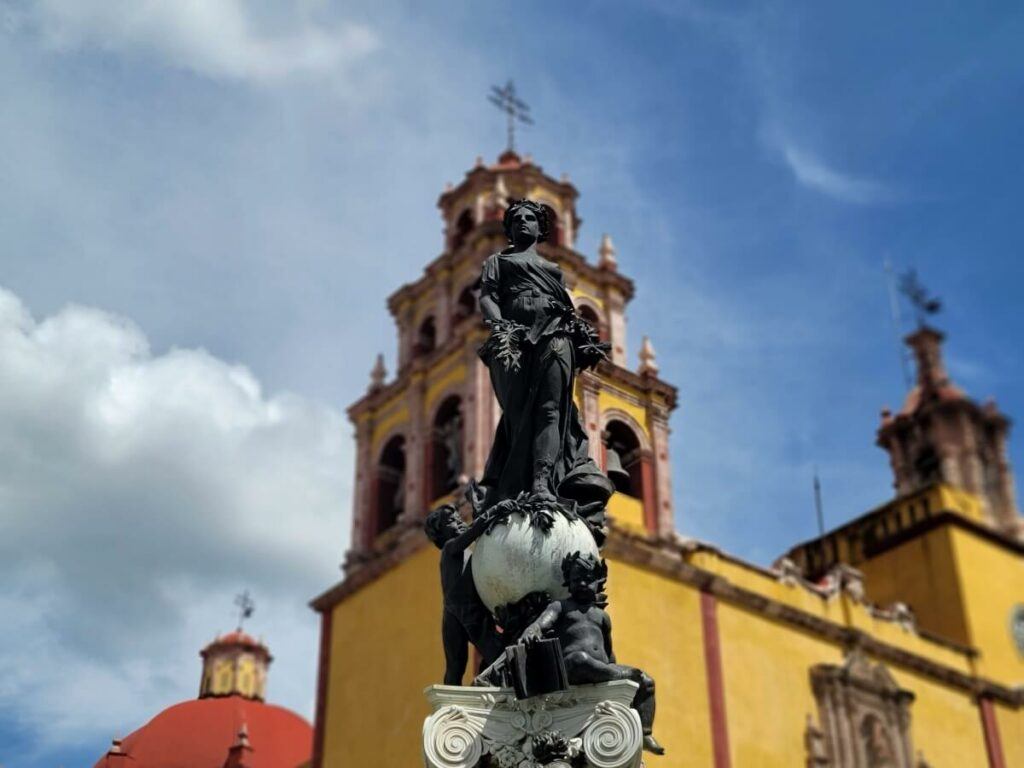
[(390, 498), (554, 226), (446, 448), (463, 226), (927, 465), (426, 337), (622, 459), (587, 313), (465, 305)]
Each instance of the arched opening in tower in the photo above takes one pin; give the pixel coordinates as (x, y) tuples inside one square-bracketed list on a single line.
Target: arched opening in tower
[(588, 313), (554, 226), (463, 226), (390, 498), (446, 448), (465, 305), (622, 459), (426, 337)]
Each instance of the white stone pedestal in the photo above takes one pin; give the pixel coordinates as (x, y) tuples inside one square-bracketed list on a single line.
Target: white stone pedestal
[(489, 728)]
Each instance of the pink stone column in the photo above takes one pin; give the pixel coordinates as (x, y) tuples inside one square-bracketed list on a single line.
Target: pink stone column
[(415, 471), (665, 515), (590, 386), (615, 309), (479, 430), (361, 501), (443, 308)]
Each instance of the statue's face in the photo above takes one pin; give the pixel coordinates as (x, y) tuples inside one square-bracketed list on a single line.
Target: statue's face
[(525, 226), (584, 584)]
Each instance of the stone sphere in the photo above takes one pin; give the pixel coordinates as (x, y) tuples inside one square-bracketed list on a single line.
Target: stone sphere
[(517, 558)]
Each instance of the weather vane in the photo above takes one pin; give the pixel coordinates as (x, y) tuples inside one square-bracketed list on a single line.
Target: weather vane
[(505, 99), (246, 606), (924, 305)]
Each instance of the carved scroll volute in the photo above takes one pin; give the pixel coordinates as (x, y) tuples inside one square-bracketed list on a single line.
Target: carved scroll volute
[(451, 739), (613, 739)]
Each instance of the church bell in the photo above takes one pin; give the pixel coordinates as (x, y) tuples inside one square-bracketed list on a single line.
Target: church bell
[(616, 473)]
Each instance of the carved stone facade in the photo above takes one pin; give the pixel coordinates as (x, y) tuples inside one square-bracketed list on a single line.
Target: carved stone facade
[(864, 717), (490, 728)]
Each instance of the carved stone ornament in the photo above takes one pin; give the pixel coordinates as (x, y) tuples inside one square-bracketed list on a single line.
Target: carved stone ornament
[(864, 715), (478, 727)]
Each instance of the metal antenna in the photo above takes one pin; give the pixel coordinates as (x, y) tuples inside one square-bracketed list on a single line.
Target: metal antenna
[(505, 99), (897, 322), (246, 606), (817, 504)]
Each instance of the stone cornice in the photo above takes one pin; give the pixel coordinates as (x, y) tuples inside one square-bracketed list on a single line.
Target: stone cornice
[(475, 333), (483, 176), (667, 560), (643, 382), (863, 532), (471, 251), (366, 568)]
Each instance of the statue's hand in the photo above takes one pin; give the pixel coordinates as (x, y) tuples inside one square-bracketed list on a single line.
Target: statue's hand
[(503, 509), (531, 634)]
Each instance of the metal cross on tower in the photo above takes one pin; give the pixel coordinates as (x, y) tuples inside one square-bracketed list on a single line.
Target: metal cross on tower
[(924, 304), (505, 99), (246, 606)]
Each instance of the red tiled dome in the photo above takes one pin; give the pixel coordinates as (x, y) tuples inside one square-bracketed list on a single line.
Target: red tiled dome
[(198, 734)]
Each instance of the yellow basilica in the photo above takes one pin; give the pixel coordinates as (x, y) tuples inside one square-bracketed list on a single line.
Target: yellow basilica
[(893, 641)]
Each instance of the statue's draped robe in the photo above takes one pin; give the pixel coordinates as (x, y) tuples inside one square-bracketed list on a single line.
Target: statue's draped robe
[(530, 290)]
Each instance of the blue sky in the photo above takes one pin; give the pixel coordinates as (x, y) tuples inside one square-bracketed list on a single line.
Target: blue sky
[(203, 207)]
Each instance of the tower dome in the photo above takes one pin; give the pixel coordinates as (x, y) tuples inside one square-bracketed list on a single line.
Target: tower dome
[(228, 725), (235, 664)]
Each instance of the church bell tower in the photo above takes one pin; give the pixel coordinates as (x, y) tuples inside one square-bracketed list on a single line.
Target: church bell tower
[(940, 435), (425, 429), (422, 434)]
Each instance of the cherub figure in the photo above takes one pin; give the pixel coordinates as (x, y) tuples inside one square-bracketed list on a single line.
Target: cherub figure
[(465, 618), (584, 630)]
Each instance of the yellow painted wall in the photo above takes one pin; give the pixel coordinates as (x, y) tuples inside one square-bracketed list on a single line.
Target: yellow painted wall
[(608, 399), (382, 659), (385, 649), (587, 291), (439, 386), (766, 670), (945, 723), (383, 428), (922, 573), (627, 512), (992, 583), (656, 626), (1011, 733)]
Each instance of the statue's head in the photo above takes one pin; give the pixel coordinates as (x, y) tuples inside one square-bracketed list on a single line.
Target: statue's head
[(526, 221), (443, 524), (584, 575)]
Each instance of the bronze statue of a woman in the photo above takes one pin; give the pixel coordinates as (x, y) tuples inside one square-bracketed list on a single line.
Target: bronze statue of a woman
[(537, 344)]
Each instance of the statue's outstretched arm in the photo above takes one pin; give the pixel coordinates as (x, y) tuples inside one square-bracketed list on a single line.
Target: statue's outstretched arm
[(542, 624), (478, 527)]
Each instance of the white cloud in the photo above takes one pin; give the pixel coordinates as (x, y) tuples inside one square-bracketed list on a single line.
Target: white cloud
[(221, 39), (815, 174), (139, 492)]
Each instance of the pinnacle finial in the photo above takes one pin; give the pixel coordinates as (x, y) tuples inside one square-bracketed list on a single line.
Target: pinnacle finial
[(378, 375), (606, 253), (243, 736), (239, 753), (648, 358)]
